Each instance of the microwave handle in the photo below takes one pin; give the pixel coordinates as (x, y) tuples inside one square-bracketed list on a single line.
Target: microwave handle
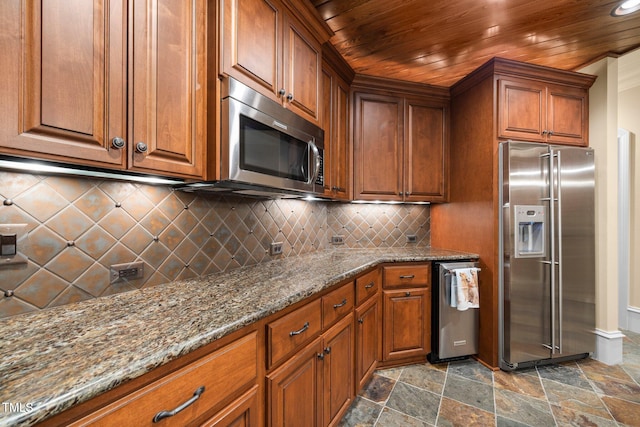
[(316, 156)]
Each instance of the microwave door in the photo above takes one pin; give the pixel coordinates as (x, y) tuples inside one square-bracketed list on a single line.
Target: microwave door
[(266, 152)]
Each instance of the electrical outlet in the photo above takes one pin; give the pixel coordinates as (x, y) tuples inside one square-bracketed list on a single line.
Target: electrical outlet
[(12, 241), (276, 248), (127, 271), (337, 240), (412, 238)]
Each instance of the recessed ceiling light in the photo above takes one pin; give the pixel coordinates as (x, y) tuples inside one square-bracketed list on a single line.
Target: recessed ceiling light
[(626, 7)]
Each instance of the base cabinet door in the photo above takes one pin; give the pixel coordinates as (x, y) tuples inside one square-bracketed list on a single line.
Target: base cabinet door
[(368, 340), (337, 381), (407, 319), (294, 389)]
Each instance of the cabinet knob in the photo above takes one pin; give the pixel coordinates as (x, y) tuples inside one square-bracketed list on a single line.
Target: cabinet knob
[(361, 320), (550, 132), (290, 97), (544, 132), (321, 356), (327, 350), (141, 147), (407, 294), (117, 143), (281, 92)]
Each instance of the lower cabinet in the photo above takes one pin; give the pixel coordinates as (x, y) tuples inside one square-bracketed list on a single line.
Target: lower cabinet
[(315, 386), (406, 323), (406, 311), (368, 340)]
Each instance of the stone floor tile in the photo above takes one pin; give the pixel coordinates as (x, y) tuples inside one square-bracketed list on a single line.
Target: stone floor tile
[(470, 392), (415, 402)]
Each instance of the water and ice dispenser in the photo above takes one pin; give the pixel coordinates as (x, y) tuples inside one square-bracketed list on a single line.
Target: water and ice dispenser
[(530, 229)]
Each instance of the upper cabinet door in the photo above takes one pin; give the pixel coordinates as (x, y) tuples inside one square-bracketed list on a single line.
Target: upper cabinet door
[(251, 44), (267, 48), (302, 65), (522, 110), (378, 143), (426, 151), (568, 115), (169, 82), (64, 95)]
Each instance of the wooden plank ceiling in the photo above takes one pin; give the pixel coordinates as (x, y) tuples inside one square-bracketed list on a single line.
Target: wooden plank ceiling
[(440, 41)]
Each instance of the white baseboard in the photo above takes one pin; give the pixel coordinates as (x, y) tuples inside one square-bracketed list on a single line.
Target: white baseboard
[(608, 347), (633, 319)]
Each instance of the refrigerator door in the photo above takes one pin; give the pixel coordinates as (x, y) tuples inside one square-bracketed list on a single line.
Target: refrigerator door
[(574, 242), (525, 291)]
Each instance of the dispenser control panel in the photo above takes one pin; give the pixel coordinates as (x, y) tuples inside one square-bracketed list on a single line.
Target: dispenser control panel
[(530, 221)]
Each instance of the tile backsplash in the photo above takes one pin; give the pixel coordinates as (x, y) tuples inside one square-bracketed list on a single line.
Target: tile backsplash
[(77, 228)]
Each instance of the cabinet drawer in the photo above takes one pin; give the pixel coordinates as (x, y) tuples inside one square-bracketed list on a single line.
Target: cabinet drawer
[(289, 333), (402, 276), (336, 304), (367, 285), (222, 373)]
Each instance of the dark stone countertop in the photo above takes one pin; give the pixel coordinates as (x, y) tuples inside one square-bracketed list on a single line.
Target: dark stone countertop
[(59, 357)]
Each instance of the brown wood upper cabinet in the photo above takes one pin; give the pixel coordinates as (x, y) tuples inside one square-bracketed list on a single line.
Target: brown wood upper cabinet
[(336, 76), (266, 46), (400, 141), (532, 110), (122, 88)]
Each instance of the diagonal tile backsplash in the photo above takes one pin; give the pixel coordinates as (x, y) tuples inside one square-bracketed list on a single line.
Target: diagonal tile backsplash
[(78, 228)]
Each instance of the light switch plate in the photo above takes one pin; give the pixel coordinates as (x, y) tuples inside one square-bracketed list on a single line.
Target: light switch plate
[(13, 234)]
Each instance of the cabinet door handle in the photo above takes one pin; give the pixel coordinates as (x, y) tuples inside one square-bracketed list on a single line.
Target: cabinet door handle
[(299, 331), (117, 143), (369, 286), (342, 304), (409, 276), (141, 147), (166, 414)]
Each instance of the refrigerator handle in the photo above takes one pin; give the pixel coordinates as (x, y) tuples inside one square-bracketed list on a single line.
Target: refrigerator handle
[(559, 255), (552, 245)]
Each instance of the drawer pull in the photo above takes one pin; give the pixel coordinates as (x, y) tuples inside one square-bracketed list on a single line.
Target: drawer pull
[(299, 331), (342, 304), (166, 414), (369, 286), (408, 276)]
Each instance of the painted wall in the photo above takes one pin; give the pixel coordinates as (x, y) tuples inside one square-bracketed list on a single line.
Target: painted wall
[(603, 125), (629, 114), (78, 227)]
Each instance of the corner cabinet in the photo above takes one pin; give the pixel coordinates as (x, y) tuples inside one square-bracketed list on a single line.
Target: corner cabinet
[(265, 45), (400, 141), (122, 88)]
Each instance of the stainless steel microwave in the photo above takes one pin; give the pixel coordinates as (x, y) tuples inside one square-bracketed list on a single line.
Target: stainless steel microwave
[(266, 150)]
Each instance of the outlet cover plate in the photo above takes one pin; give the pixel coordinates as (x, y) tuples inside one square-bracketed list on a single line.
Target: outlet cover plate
[(126, 271), (412, 238), (18, 236), (337, 240), (275, 248)]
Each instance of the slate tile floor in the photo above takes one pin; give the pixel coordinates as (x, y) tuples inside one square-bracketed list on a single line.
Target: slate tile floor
[(465, 393)]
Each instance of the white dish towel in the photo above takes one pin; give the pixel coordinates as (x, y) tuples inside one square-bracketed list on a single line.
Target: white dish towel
[(464, 289)]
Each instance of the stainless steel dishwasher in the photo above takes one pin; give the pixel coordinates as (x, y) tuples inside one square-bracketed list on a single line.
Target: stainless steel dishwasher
[(454, 333)]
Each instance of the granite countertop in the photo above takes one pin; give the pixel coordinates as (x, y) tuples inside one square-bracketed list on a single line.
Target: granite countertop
[(56, 358)]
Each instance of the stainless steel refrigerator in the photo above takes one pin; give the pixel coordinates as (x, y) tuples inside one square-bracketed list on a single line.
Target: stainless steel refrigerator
[(547, 268)]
